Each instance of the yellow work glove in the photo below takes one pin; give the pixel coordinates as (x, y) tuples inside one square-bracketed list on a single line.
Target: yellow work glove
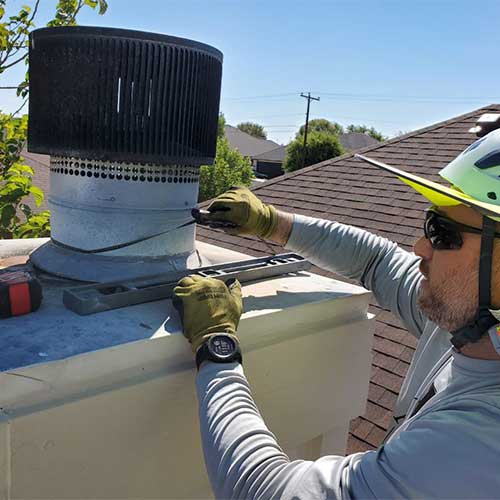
[(207, 306), (241, 207)]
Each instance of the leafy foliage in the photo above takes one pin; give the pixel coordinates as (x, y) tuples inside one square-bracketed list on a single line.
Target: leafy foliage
[(321, 146), (17, 220), (321, 125), (254, 129), (16, 185), (229, 169), (67, 10), (221, 126), (363, 129), (322, 142)]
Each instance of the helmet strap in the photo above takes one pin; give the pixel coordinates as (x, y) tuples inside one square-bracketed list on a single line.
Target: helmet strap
[(483, 320)]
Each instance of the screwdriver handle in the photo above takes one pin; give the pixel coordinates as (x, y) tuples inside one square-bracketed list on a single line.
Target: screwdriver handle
[(202, 217)]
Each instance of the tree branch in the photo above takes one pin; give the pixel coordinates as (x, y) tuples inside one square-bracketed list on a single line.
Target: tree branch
[(75, 13), (7, 66), (19, 109), (12, 53), (12, 43), (35, 9)]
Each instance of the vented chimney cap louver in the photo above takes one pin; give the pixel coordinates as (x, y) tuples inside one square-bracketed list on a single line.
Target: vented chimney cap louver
[(123, 95)]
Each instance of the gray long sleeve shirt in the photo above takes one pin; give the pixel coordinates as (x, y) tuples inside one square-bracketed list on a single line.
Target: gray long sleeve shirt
[(448, 449)]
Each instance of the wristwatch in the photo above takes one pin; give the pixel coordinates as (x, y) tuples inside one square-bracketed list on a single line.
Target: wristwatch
[(220, 348)]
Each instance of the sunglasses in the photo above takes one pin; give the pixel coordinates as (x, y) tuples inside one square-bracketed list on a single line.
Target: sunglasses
[(444, 233)]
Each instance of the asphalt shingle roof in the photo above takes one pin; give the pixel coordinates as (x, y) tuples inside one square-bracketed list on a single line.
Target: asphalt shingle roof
[(353, 141), (247, 144), (41, 166), (277, 154), (349, 191)]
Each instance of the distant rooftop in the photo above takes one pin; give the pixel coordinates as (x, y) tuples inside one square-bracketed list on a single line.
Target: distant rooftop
[(277, 154), (352, 141), (247, 144), (41, 166)]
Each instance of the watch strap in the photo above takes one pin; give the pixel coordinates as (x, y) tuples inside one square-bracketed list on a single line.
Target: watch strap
[(204, 354)]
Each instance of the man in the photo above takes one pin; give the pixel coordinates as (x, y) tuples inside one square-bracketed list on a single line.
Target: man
[(446, 440)]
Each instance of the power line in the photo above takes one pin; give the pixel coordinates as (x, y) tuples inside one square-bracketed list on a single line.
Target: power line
[(341, 117), (279, 126), (270, 96), (275, 116), (416, 97), (372, 97), (364, 119)]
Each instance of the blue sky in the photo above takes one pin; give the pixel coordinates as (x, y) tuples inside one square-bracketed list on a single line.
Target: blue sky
[(396, 66)]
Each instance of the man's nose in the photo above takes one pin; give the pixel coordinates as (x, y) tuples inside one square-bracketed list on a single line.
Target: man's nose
[(423, 248)]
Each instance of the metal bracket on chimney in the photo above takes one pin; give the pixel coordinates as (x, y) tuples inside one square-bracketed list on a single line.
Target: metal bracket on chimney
[(90, 299)]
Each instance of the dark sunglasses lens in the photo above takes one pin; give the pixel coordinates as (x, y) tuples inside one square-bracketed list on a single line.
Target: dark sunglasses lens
[(441, 233)]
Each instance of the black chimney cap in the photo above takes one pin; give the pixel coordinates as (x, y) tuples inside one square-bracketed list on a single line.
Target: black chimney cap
[(123, 95)]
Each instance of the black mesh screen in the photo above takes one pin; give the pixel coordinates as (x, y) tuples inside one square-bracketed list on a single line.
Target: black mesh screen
[(111, 94)]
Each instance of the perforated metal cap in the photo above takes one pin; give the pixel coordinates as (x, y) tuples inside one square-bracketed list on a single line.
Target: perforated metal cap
[(121, 95)]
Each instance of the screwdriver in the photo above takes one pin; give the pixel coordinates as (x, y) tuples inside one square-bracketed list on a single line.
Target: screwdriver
[(202, 217)]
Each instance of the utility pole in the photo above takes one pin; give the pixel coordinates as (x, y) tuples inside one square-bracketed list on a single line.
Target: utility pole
[(309, 99)]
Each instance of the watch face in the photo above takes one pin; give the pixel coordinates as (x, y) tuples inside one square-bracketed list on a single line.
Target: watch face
[(222, 345)]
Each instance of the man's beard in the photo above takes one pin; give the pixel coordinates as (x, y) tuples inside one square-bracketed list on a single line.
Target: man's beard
[(450, 304)]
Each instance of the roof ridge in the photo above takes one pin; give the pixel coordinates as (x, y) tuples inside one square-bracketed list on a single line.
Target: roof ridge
[(264, 154), (374, 147), (252, 136), (274, 149)]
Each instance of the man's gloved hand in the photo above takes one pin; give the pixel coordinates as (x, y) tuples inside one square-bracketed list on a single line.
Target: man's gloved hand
[(241, 207), (207, 306)]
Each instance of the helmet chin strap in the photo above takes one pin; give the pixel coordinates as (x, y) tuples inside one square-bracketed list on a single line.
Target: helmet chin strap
[(483, 320)]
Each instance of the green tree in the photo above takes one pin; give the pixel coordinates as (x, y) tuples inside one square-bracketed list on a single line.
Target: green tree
[(363, 129), (321, 146), (253, 129), (229, 169), (321, 125), (399, 133), (17, 220), (221, 132)]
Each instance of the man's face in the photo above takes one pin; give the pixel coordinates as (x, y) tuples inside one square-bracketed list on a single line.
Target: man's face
[(448, 293)]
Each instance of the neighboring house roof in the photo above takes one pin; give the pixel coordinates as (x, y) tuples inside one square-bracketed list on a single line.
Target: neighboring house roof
[(347, 190), (274, 155), (353, 141), (41, 165), (247, 144)]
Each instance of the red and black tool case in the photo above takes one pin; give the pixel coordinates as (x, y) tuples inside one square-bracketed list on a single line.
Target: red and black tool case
[(20, 292)]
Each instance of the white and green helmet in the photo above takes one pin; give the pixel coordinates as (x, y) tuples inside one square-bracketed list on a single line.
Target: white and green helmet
[(476, 171)]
